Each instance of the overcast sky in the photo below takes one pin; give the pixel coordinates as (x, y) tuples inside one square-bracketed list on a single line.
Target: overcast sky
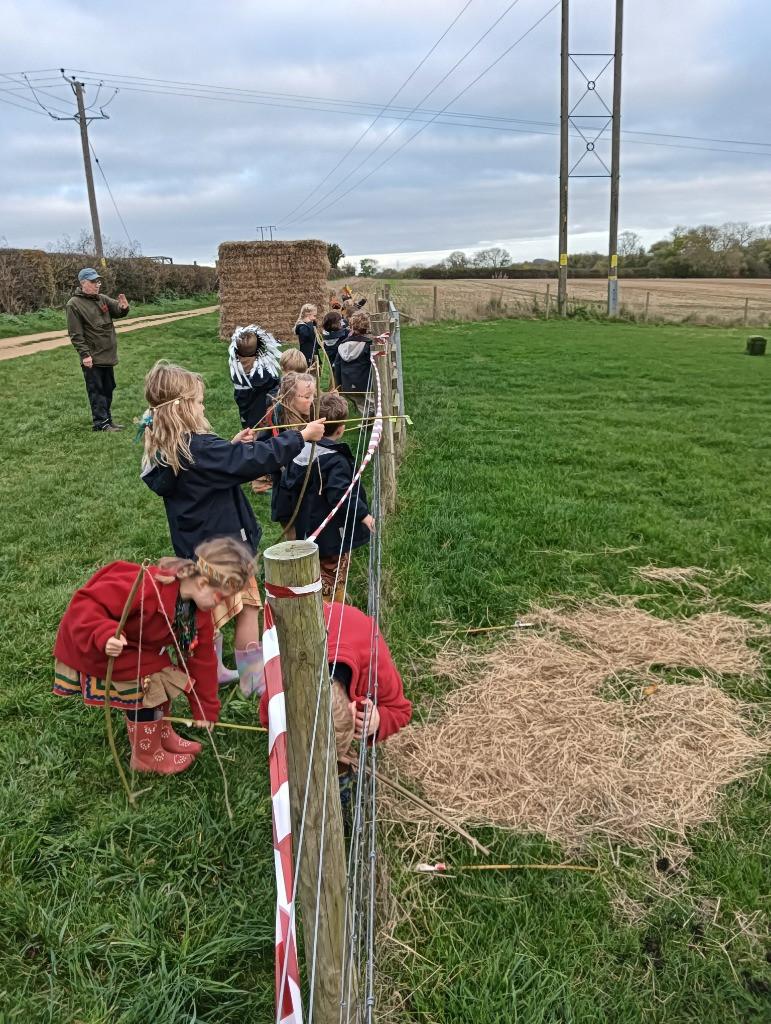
[(188, 172)]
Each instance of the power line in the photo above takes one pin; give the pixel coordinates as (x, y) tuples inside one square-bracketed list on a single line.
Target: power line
[(381, 112), (346, 105), (112, 197), (426, 124), (416, 107)]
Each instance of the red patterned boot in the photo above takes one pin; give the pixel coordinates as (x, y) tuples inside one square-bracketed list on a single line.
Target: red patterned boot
[(170, 740), (147, 754)]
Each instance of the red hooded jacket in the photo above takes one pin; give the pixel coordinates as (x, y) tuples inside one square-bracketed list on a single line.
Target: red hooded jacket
[(350, 642), (92, 617)]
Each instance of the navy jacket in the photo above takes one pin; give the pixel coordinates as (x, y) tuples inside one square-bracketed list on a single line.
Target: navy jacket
[(309, 341), (351, 367), (253, 402), (332, 340), (205, 499), (332, 471)]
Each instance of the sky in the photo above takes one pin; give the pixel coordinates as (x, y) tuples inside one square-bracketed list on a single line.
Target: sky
[(300, 83)]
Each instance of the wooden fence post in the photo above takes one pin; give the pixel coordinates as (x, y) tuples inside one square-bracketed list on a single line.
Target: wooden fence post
[(647, 305), (301, 636), (400, 427), (435, 303), (746, 316), (387, 458), (548, 299)]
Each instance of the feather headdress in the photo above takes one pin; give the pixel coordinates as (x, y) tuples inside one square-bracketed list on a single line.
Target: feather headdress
[(265, 357)]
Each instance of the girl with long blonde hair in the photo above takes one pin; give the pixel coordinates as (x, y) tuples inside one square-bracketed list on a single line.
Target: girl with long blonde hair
[(199, 476)]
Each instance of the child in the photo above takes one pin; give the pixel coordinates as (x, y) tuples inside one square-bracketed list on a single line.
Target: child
[(293, 361), (331, 474), (199, 477), (169, 615), (379, 700), (253, 360), (305, 329), (333, 333), (293, 404), (352, 363)]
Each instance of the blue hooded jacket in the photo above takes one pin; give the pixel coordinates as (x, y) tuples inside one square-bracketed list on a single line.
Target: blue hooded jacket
[(205, 499)]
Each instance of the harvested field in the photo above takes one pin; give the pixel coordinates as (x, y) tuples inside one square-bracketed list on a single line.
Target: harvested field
[(718, 301)]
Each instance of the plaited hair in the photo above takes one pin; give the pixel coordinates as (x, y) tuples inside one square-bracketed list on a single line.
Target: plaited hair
[(231, 560)]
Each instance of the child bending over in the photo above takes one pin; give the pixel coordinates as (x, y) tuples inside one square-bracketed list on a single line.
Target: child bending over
[(254, 370), (199, 477), (331, 474), (169, 626)]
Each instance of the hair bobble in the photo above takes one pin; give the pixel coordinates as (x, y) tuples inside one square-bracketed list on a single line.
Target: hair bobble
[(142, 424)]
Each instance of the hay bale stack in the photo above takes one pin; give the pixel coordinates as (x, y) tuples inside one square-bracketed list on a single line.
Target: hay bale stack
[(267, 282)]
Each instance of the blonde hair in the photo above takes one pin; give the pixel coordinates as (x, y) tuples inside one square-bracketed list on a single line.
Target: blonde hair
[(292, 360), (305, 309), (224, 562), (332, 406), (341, 718), (170, 392), (290, 382)]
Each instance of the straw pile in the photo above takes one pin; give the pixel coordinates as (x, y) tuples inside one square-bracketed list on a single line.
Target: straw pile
[(528, 743), (266, 283)]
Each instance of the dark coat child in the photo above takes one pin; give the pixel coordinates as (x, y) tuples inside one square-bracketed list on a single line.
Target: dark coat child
[(208, 501), (254, 370), (309, 340), (330, 476), (352, 363)]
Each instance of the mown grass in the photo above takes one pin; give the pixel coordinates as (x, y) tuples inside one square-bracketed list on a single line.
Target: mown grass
[(537, 448), (54, 319)]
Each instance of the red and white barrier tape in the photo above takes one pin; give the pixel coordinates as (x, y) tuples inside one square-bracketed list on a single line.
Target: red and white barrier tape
[(288, 999), (374, 441)]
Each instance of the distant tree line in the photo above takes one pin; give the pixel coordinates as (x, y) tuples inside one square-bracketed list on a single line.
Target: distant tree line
[(730, 250)]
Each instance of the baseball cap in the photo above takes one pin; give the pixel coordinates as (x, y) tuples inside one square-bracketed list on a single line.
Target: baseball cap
[(88, 274)]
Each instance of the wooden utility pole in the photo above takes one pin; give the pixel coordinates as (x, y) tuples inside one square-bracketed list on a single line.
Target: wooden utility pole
[(387, 459), (615, 154), (562, 280), (83, 122), (301, 637)]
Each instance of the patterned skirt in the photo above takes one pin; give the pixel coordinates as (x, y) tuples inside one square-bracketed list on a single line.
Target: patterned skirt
[(68, 682), (232, 605)]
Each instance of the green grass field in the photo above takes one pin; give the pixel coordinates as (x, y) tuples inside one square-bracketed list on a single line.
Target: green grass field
[(536, 446), (55, 320)]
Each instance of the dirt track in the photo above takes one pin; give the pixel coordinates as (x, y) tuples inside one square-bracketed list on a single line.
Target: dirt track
[(28, 344)]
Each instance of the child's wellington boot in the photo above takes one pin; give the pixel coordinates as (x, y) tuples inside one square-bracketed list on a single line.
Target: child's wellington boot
[(225, 675), (147, 754), (251, 668), (170, 740)]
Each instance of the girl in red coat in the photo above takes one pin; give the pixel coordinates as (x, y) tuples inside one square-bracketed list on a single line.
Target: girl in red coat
[(166, 647), (351, 634)]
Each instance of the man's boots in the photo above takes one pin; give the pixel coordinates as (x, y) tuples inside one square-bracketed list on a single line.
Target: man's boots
[(171, 741), (147, 754)]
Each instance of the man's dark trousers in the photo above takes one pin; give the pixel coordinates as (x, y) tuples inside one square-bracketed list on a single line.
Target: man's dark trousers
[(100, 384)]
